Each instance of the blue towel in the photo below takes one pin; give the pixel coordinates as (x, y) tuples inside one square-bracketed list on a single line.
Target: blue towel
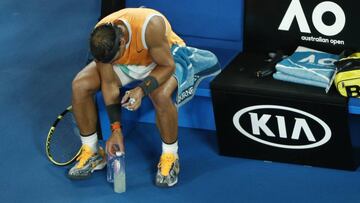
[(307, 66), (294, 79), (192, 66)]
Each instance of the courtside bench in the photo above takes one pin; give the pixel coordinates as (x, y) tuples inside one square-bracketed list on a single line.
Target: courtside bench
[(273, 120)]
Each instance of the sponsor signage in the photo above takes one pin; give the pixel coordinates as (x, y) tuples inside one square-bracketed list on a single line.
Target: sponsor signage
[(293, 131), (353, 90), (326, 25), (276, 128), (296, 12), (272, 120)]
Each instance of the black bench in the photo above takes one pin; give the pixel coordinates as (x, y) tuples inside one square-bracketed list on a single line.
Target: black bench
[(280, 121)]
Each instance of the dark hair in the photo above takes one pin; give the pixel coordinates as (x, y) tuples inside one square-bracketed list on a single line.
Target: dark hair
[(104, 42)]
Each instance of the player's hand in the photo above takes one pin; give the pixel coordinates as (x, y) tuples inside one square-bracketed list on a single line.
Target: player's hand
[(115, 143), (132, 99)]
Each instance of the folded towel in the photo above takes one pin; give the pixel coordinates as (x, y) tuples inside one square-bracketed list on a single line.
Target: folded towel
[(306, 65), (321, 74), (294, 79), (192, 66)]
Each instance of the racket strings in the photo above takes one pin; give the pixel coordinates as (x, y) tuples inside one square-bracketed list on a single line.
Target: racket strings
[(65, 142)]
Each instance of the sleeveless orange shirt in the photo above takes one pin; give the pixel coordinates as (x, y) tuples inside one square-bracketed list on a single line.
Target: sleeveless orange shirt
[(136, 21)]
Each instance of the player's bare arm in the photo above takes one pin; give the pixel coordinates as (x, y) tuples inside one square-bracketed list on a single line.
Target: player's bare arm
[(110, 90), (159, 50)]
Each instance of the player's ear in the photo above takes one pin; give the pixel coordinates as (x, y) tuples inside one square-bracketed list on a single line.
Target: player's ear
[(122, 42)]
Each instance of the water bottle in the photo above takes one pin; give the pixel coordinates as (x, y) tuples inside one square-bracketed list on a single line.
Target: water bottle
[(119, 173), (109, 168), (109, 165), (116, 171)]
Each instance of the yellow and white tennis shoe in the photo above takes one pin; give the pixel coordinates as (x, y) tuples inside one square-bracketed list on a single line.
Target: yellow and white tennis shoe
[(168, 170), (88, 162)]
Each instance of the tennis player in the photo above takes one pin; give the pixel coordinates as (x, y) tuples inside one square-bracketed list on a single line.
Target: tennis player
[(130, 45)]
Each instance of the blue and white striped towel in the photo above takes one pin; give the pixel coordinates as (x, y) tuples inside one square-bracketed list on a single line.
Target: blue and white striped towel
[(192, 66), (307, 66)]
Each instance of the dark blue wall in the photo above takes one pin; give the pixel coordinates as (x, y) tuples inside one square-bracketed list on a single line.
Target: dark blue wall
[(216, 23)]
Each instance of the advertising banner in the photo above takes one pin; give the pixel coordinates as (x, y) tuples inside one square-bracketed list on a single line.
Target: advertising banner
[(329, 26)]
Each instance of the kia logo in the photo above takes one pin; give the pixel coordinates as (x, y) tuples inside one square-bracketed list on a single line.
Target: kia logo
[(293, 131)]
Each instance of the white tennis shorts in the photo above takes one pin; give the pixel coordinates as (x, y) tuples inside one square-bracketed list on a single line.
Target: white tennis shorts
[(130, 73)]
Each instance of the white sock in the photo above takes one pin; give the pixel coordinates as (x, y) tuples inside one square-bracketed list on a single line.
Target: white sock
[(170, 148), (90, 141)]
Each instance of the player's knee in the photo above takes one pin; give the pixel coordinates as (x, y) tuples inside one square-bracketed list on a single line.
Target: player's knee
[(161, 101), (82, 85)]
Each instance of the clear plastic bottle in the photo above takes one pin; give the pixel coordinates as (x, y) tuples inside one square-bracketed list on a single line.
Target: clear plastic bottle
[(109, 168), (119, 173), (116, 171)]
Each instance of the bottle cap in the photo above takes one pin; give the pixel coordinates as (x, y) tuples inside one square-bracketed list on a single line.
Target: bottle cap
[(118, 153)]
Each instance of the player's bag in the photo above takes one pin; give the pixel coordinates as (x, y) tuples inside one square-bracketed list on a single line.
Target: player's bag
[(347, 78)]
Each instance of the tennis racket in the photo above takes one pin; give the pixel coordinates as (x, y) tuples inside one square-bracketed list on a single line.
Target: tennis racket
[(63, 144)]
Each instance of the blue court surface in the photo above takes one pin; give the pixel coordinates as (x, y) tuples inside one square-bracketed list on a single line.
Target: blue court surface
[(43, 44)]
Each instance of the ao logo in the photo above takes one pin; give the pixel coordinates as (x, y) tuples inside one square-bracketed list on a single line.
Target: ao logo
[(300, 125), (295, 11), (321, 61)]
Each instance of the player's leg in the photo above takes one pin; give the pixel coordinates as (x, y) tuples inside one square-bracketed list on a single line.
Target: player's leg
[(92, 157), (167, 122)]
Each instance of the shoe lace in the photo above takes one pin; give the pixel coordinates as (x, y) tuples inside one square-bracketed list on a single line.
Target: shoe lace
[(84, 156), (166, 162)]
